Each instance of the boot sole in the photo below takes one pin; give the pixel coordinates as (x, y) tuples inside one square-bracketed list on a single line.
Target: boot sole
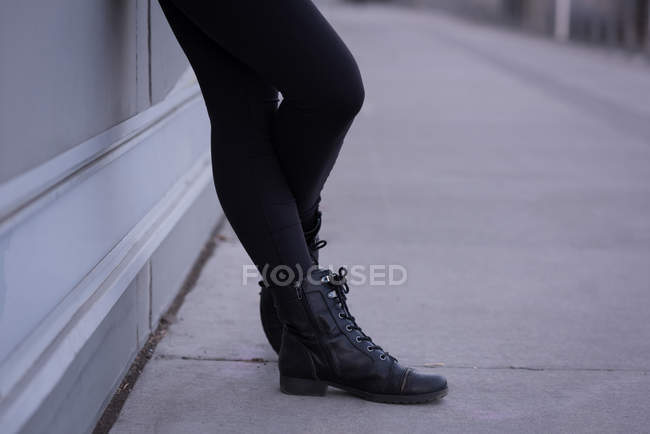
[(300, 386)]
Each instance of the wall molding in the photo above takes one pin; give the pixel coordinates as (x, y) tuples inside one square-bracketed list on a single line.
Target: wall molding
[(37, 365), (27, 193)]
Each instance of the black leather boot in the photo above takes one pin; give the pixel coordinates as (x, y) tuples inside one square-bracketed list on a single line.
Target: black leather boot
[(323, 346), (270, 322)]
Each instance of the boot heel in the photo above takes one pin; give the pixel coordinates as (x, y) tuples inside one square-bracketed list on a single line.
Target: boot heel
[(301, 386)]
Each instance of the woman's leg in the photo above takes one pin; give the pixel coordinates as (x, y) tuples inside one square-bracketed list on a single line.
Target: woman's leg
[(290, 45), (251, 186)]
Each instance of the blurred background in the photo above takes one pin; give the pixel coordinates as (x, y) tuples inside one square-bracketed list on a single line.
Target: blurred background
[(502, 157), (614, 23)]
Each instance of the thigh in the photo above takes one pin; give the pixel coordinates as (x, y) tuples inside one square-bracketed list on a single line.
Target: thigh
[(287, 42), (240, 102)]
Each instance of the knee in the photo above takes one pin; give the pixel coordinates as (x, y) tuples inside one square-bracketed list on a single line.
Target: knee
[(345, 97), (354, 99), (336, 93)]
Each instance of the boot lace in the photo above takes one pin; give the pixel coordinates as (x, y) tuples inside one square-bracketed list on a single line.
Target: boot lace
[(317, 245), (311, 236), (338, 283)]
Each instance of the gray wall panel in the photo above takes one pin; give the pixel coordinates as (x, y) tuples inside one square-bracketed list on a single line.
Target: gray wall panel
[(66, 239), (142, 55), (70, 71), (67, 72), (76, 403), (168, 62)]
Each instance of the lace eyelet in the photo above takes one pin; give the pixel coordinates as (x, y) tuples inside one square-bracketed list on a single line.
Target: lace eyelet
[(341, 315), (348, 327), (382, 357), (369, 348), (358, 339)]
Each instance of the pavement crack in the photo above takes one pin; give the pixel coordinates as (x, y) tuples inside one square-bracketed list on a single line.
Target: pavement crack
[(215, 359)]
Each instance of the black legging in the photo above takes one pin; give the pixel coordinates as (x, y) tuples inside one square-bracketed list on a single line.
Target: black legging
[(269, 161)]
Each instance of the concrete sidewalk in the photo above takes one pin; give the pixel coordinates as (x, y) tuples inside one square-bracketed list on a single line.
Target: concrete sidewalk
[(510, 176)]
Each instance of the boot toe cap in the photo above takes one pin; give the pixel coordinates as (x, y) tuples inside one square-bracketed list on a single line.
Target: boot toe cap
[(417, 383)]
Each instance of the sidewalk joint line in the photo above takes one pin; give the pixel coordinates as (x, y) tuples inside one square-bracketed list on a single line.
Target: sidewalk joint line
[(427, 366), (537, 368)]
